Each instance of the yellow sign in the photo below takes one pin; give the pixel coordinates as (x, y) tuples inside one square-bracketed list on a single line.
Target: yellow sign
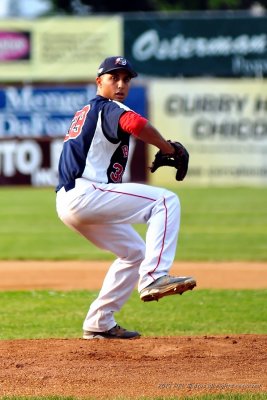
[(222, 123), (57, 49)]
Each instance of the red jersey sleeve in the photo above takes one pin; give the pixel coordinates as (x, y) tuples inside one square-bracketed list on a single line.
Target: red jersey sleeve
[(132, 123)]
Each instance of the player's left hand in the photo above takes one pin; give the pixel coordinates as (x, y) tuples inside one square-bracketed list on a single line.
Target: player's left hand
[(179, 160)]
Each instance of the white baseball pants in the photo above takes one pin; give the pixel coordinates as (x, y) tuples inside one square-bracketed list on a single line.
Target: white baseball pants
[(103, 214)]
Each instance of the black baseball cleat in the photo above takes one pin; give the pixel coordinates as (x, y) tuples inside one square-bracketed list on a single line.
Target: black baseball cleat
[(117, 332), (166, 286)]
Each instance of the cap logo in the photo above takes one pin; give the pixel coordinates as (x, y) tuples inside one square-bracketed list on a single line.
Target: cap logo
[(120, 61), (113, 63)]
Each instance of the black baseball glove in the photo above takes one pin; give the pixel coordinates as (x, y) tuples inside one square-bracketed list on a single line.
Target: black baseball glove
[(179, 160)]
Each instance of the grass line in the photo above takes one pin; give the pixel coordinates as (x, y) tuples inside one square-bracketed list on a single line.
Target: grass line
[(223, 396), (42, 314)]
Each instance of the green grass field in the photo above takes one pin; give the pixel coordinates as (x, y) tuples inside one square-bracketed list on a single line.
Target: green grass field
[(218, 224), (42, 314)]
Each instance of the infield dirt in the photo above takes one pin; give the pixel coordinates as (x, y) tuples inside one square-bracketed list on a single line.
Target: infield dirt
[(159, 366)]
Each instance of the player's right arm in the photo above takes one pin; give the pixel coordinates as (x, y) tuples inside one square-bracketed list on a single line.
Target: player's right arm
[(141, 128)]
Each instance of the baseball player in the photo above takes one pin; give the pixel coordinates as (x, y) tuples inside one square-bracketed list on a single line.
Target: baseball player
[(93, 200)]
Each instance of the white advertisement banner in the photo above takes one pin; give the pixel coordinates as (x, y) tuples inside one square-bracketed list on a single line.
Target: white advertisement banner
[(222, 123)]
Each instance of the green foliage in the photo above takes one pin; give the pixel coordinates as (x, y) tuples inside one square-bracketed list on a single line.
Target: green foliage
[(56, 314), (195, 5), (70, 7), (221, 4), (216, 224)]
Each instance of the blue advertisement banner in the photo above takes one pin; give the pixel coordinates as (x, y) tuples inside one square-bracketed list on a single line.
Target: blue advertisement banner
[(32, 111), (33, 123)]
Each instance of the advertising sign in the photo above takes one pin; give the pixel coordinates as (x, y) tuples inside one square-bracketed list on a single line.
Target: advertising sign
[(36, 111), (29, 161), (40, 111), (34, 161), (223, 123), (57, 49), (33, 124), (14, 46), (194, 46)]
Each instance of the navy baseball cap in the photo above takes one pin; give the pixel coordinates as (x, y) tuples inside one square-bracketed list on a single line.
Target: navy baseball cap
[(113, 63)]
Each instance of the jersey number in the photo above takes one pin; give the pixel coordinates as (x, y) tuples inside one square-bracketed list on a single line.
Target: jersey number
[(116, 176), (77, 123)]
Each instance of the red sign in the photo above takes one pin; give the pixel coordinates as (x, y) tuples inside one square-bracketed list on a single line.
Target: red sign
[(14, 46)]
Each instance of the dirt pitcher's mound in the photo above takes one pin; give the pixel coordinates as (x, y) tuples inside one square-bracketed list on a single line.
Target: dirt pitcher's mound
[(162, 367), (70, 275), (170, 366)]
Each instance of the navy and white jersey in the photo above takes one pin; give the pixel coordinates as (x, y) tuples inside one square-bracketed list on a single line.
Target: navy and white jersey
[(95, 147)]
